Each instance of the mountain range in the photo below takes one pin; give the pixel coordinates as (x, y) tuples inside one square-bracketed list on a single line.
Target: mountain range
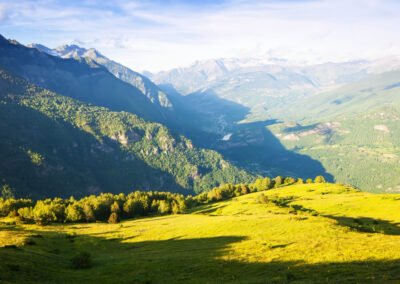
[(71, 127), (256, 116), (342, 115)]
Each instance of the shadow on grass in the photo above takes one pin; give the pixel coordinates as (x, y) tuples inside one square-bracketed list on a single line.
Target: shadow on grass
[(360, 224), (174, 260), (367, 225), (208, 208)]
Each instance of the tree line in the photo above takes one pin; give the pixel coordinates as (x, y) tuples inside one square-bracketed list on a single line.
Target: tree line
[(113, 208)]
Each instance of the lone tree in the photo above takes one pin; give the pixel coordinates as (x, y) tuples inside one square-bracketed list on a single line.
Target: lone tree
[(319, 179), (115, 207), (114, 218), (89, 214), (278, 181)]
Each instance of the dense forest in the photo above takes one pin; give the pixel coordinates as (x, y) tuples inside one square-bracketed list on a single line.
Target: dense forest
[(52, 145)]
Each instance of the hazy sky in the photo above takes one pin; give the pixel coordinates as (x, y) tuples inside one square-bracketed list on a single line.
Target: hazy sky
[(157, 35)]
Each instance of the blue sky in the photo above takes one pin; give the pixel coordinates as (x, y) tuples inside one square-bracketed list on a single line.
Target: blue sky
[(158, 35)]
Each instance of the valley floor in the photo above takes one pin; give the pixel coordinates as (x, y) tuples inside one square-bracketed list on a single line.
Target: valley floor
[(300, 233)]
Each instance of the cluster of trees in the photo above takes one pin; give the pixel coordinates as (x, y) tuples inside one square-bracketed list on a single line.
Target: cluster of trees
[(113, 208), (105, 207)]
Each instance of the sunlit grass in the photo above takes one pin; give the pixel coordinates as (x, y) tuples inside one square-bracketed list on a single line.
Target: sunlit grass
[(324, 231)]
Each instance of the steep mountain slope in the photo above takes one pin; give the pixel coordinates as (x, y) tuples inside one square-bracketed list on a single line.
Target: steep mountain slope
[(148, 88), (54, 145), (174, 110), (81, 79)]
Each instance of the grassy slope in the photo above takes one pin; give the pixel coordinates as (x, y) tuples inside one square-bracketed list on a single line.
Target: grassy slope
[(239, 241), (360, 149)]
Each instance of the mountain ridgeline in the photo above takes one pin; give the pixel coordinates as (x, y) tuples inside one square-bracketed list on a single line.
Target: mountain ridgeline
[(70, 144), (79, 78), (142, 83), (341, 115), (76, 122)]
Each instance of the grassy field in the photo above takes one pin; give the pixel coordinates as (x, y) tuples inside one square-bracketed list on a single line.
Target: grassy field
[(299, 233)]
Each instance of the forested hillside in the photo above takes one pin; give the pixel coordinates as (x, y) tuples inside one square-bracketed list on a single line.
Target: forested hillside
[(82, 79), (52, 145)]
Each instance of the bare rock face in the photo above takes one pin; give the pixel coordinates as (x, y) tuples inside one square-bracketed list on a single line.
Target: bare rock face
[(291, 136), (189, 145), (195, 174), (223, 164), (167, 144), (381, 127), (127, 137)]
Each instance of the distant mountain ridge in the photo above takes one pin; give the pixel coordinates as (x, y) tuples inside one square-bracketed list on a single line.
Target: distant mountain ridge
[(343, 115), (263, 85), (80, 78), (148, 88)]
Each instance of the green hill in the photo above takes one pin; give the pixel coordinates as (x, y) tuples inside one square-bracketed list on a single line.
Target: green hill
[(52, 145), (306, 233), (353, 131)]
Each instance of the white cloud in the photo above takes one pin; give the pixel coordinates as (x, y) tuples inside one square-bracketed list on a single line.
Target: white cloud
[(3, 12), (155, 36)]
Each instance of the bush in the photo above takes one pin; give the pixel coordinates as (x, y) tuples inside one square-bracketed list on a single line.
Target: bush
[(278, 181), (82, 260), (13, 267), (13, 213), (263, 199), (114, 218), (319, 179)]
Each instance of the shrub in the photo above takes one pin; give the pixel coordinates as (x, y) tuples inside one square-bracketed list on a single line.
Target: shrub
[(30, 242), (13, 213), (13, 267), (89, 213), (263, 199), (114, 218), (319, 179), (278, 181), (82, 260)]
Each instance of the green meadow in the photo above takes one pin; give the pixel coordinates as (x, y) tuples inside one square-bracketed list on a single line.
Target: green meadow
[(298, 234)]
